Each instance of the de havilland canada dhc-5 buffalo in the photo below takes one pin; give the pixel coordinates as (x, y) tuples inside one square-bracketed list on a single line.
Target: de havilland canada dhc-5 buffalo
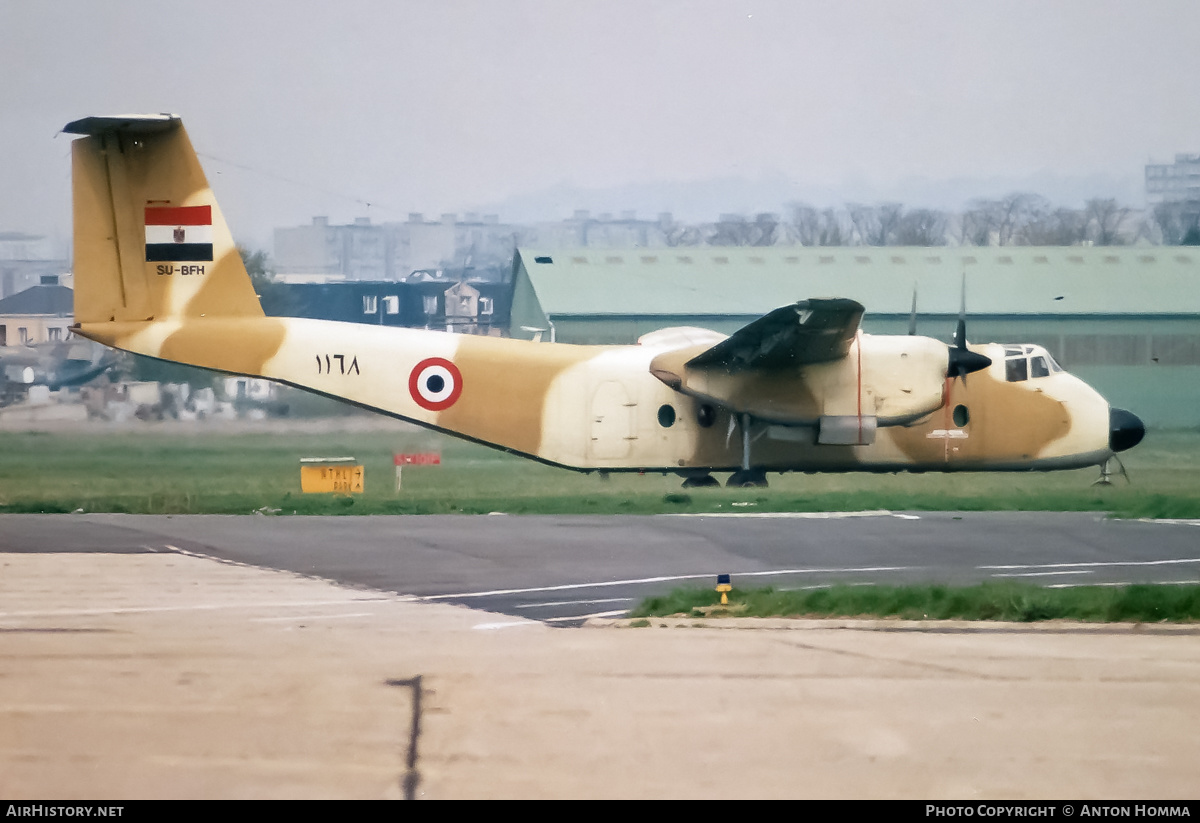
[(800, 389)]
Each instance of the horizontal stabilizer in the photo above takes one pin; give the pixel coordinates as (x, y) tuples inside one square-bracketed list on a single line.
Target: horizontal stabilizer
[(130, 123)]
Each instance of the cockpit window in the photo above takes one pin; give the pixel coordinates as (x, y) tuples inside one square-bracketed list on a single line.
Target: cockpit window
[(1027, 363), (1016, 369)]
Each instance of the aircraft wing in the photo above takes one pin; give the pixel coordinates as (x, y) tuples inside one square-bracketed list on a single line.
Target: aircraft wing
[(809, 331)]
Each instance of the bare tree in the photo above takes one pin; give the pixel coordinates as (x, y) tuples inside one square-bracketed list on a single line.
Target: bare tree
[(1175, 220), (736, 230), (1057, 227), (974, 226), (1105, 220), (999, 222), (921, 227), (835, 230), (766, 229), (729, 230), (810, 227), (874, 225)]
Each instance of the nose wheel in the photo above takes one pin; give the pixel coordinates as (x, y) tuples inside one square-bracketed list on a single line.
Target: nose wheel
[(1106, 472)]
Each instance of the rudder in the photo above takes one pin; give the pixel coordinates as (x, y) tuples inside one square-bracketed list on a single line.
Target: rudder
[(150, 241)]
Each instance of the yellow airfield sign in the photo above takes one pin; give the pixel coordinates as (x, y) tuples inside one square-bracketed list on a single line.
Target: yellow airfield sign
[(330, 475)]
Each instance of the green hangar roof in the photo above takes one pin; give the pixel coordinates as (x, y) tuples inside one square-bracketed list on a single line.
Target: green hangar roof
[(696, 281)]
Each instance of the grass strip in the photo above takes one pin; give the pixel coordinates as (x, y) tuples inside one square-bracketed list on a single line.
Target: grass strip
[(1003, 601), (199, 470)]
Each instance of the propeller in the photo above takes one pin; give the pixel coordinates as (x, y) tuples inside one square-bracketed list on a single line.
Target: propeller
[(912, 317), (962, 361)]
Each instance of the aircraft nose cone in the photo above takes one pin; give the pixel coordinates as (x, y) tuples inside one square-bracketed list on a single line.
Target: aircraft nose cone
[(1125, 430)]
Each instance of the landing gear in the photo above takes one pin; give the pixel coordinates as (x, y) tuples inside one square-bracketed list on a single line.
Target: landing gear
[(748, 479), (700, 481), (1106, 472)]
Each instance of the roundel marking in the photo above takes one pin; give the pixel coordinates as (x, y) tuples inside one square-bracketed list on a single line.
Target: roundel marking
[(435, 383)]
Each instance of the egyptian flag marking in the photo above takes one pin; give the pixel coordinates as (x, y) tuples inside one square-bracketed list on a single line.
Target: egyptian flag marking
[(179, 234)]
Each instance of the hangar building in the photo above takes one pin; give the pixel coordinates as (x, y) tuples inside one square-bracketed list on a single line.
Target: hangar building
[(1125, 319)]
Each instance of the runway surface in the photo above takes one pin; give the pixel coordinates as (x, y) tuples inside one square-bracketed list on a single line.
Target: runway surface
[(565, 569), (205, 657)]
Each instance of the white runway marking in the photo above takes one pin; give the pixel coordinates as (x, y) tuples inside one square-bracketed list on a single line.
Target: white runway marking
[(1098, 564), (1139, 583), (799, 515), (196, 607), (1042, 574), (662, 579), (576, 602), (506, 624), (616, 613)]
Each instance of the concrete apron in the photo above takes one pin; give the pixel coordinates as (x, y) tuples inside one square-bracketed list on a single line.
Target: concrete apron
[(167, 676)]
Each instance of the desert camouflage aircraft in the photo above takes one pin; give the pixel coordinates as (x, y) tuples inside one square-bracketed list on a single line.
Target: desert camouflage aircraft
[(800, 389)]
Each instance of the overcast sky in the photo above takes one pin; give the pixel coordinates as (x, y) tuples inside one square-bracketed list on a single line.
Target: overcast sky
[(305, 108)]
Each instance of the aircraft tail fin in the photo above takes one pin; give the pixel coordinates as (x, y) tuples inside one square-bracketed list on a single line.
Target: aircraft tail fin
[(150, 241)]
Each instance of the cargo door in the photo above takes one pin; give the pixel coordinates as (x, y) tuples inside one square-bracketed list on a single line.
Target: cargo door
[(612, 422)]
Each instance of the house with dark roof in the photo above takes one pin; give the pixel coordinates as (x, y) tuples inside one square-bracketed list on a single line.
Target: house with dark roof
[(40, 314)]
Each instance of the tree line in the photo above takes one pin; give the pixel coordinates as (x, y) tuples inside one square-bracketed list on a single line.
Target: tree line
[(1020, 219)]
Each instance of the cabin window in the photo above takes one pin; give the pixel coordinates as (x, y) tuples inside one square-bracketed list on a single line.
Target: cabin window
[(1038, 367), (961, 416), (706, 415), (666, 415)]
